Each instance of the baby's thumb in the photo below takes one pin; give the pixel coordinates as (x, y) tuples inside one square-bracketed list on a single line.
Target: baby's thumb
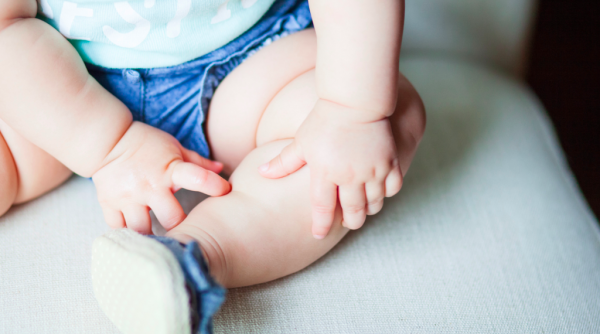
[(286, 163), (195, 178)]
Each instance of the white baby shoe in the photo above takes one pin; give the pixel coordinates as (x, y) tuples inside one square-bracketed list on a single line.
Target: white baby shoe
[(140, 285)]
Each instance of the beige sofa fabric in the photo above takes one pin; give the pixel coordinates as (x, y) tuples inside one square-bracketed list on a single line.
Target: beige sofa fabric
[(489, 235)]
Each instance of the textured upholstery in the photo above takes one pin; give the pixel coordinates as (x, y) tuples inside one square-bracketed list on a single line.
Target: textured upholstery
[(489, 235)]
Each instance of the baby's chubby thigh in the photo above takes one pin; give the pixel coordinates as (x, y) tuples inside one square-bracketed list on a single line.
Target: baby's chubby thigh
[(26, 171), (240, 106)]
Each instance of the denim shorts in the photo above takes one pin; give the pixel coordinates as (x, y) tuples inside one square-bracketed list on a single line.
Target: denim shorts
[(175, 99)]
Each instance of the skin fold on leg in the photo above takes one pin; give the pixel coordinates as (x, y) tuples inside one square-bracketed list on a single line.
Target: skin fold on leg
[(261, 231), (36, 172)]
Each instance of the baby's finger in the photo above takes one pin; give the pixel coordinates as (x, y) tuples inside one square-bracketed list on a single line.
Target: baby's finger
[(114, 219), (195, 178), (284, 164), (393, 182), (354, 204), (138, 219), (195, 158), (167, 210), (324, 201), (375, 194)]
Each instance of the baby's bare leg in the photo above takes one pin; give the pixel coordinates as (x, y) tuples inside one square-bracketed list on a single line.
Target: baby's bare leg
[(8, 177), (26, 171), (262, 230)]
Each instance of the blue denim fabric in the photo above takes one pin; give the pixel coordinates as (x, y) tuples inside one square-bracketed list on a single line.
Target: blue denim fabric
[(176, 99), (206, 295)]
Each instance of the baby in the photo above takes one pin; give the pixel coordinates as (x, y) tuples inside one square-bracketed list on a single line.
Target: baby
[(303, 107)]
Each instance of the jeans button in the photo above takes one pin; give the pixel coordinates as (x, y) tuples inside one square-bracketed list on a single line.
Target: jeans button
[(132, 76)]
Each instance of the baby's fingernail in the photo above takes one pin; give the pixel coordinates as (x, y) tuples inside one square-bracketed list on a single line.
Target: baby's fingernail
[(319, 236), (264, 167)]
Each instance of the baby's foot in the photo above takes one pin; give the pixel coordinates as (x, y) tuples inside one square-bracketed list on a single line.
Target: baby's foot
[(154, 285)]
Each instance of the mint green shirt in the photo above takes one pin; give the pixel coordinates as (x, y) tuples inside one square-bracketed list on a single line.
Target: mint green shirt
[(150, 33)]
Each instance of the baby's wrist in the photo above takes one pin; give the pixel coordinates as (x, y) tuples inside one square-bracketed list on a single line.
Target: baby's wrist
[(369, 105), (129, 142), (345, 112)]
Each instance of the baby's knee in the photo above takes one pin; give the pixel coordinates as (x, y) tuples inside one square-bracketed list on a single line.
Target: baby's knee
[(8, 177), (410, 113)]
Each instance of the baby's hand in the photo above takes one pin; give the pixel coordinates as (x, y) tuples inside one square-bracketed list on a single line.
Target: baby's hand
[(354, 160), (143, 172)]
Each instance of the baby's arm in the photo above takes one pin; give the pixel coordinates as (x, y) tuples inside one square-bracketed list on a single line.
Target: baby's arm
[(48, 97), (358, 50), (347, 140)]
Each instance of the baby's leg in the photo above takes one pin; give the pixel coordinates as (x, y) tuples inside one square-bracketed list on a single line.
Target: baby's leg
[(8, 177), (26, 171), (262, 230)]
